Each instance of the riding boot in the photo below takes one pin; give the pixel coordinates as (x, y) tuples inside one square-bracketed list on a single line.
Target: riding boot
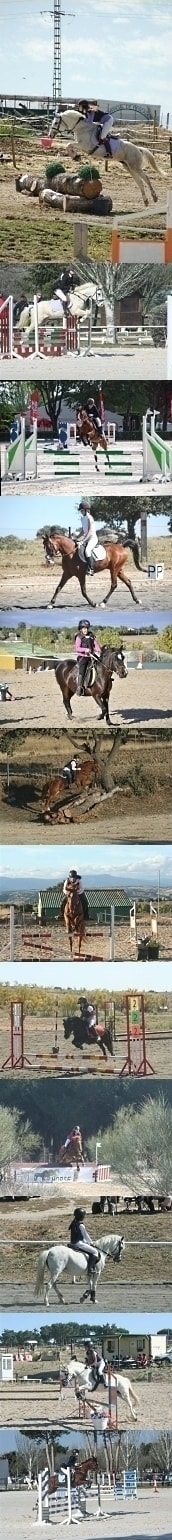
[(107, 145)]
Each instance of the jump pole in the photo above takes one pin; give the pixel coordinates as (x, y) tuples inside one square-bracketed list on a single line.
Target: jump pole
[(112, 933)]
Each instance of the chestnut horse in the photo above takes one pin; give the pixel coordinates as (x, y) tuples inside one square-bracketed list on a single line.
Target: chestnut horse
[(73, 566), (74, 918), (72, 1155), (84, 777), (91, 435)]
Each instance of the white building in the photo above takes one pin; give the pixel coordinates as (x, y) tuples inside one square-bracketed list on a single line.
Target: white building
[(6, 1368)]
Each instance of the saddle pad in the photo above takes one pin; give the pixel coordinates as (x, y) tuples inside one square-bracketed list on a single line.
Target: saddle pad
[(99, 553)]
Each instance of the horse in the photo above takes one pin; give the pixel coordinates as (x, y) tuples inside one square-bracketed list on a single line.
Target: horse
[(100, 683), (83, 778), (85, 1378), (131, 156), (63, 1258), (74, 919), (73, 565), (71, 1154), (91, 435)]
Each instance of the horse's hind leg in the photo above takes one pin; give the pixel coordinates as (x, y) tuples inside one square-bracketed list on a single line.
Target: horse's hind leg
[(138, 178), (128, 584), (152, 189)]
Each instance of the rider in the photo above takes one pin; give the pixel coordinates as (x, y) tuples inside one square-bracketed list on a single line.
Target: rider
[(87, 536), (75, 880), (86, 647), (75, 1133), (94, 415), (81, 1240), (69, 770), (101, 122), (95, 1362)]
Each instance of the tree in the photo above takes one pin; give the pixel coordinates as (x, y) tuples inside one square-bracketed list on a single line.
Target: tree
[(16, 1136)]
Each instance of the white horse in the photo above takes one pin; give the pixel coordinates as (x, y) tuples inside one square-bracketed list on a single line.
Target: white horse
[(54, 310), (84, 1380), (59, 1259), (47, 311), (131, 156)]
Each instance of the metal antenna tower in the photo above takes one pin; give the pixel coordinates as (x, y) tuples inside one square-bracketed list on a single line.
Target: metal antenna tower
[(57, 73), (57, 14)]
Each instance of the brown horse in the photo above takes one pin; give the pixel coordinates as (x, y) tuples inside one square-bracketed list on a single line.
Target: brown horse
[(73, 566), (91, 435), (99, 681), (55, 791), (73, 1154), (74, 918)]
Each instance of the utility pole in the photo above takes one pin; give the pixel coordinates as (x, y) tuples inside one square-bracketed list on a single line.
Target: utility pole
[(57, 14)]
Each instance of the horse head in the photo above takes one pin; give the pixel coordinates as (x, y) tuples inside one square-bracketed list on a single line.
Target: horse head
[(49, 548), (118, 662)]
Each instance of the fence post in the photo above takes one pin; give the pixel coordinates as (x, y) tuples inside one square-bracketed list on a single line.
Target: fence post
[(112, 933), (11, 932)]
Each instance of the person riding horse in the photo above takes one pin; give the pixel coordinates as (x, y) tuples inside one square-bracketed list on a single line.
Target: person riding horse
[(75, 881), (101, 122), (80, 1240), (86, 536), (86, 648), (94, 1361), (94, 415), (69, 770)]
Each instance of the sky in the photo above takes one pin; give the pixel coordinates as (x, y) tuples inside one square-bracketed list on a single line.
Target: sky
[(133, 976), (96, 58), (144, 863), (21, 517), (142, 1321)]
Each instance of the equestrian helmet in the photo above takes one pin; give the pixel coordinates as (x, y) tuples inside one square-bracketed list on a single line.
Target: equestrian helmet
[(84, 625), (79, 1213), (75, 874)]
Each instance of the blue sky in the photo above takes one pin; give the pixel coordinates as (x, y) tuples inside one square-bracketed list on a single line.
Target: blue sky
[(122, 862), (118, 976), (132, 1321), (97, 58), (21, 516)]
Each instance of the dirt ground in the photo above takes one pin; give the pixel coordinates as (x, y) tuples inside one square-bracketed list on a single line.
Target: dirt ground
[(72, 1059), (34, 1402), (149, 1515), (51, 942), (143, 698), (27, 231), (140, 805)]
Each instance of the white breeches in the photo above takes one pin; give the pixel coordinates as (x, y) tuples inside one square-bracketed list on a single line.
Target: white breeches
[(91, 545)]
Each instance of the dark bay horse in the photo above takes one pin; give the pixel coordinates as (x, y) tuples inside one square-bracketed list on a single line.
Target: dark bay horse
[(89, 434), (112, 661), (56, 790), (72, 566)]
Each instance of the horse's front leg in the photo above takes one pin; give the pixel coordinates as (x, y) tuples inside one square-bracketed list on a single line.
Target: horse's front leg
[(63, 581), (67, 704), (104, 714)]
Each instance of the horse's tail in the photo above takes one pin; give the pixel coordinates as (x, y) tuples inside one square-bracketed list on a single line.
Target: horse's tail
[(40, 1271), (154, 163), (135, 548)]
